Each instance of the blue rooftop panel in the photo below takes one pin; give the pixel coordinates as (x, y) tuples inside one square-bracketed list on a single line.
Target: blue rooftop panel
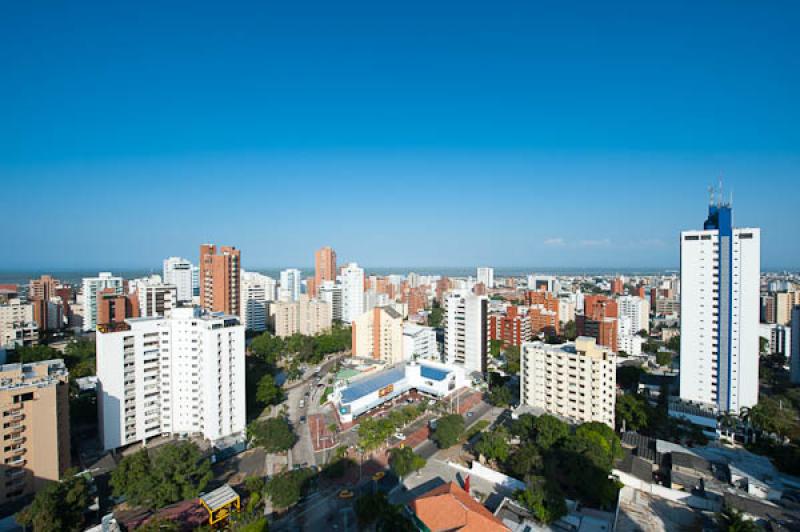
[(433, 373), (368, 385)]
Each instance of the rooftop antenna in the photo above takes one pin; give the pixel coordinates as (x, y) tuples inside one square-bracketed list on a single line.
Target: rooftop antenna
[(710, 194)]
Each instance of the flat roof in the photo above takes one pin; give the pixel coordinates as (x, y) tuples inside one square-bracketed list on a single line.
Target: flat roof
[(372, 383), (219, 497), (429, 372)]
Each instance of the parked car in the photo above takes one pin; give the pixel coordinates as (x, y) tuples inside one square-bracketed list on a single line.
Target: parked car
[(400, 436)]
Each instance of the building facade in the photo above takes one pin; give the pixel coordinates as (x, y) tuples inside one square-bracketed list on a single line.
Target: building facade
[(352, 280), (291, 285), (91, 286), (257, 292), (34, 399), (466, 330), (324, 266), (486, 276), (575, 381), (719, 291), (220, 279), (183, 374), (420, 342), (378, 334), (331, 293), (178, 272)]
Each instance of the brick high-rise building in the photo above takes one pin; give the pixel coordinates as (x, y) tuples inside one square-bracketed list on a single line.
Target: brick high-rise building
[(513, 328), (40, 293), (599, 320), (543, 320), (115, 308), (325, 266), (220, 282), (415, 298), (617, 286)]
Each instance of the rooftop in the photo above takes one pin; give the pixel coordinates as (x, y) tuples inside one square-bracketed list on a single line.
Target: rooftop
[(367, 385), (448, 507)]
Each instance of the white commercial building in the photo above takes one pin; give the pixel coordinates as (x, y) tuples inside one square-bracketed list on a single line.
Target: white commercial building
[(720, 279), (179, 272), (331, 293), (466, 330), (183, 374), (420, 342), (156, 299), (357, 396), (486, 276), (92, 285), (291, 285), (257, 291), (576, 381), (548, 283), (352, 280)]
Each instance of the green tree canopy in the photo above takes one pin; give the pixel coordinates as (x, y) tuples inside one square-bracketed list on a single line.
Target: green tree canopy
[(628, 377), (286, 488), (633, 410), (170, 473), (268, 347), (525, 461), (544, 499), (663, 358), (403, 461), (499, 396), (494, 445), (570, 331), (448, 430), (275, 434), (58, 506), (268, 393), (549, 431)]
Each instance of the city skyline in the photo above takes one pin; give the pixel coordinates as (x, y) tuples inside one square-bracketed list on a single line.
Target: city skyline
[(542, 138)]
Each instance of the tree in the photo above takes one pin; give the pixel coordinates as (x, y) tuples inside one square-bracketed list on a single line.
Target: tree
[(159, 525), (731, 520), (493, 445), (763, 345), (526, 461), (34, 353), (628, 377), (404, 460), (632, 410), (79, 356), (58, 506), (268, 393), (269, 348), (570, 330), (168, 474), (549, 431), (674, 343), (663, 358), (512, 360), (285, 489), (650, 347), (435, 316), (544, 499), (524, 426), (275, 434), (257, 525), (495, 347), (448, 430), (375, 508), (499, 396)]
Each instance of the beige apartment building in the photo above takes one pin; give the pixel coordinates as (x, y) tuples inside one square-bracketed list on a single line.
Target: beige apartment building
[(35, 404), (378, 334), (304, 316), (576, 381), (17, 326)]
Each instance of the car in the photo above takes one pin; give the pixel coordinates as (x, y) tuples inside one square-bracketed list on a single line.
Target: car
[(302, 403), (302, 419), (470, 413), (346, 494), (400, 436)]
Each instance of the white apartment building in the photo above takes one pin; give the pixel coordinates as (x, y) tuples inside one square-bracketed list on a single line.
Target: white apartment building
[(420, 341), (719, 301), (548, 283), (182, 374), (637, 309), (486, 276), (179, 272), (331, 293), (90, 287), (352, 281), (628, 339), (466, 330), (17, 327), (291, 285), (575, 381), (566, 310), (779, 337), (257, 291)]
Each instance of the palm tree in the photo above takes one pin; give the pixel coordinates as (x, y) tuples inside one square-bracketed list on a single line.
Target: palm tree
[(731, 520)]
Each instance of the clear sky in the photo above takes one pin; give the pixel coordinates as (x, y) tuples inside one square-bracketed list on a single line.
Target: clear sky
[(415, 133)]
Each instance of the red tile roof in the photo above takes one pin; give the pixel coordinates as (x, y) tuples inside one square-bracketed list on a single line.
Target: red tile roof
[(448, 507)]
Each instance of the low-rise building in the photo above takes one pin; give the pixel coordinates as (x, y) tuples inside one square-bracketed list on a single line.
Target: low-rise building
[(419, 342), (576, 381)]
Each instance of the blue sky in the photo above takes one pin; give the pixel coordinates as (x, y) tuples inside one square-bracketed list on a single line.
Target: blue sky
[(514, 133)]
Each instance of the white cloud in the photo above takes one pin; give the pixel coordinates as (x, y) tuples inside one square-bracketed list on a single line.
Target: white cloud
[(554, 242), (601, 243)]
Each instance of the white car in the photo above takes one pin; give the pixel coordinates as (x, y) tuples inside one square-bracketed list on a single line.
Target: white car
[(400, 436)]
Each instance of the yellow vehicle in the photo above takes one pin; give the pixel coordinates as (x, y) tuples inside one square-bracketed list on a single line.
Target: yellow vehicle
[(346, 494), (379, 475)]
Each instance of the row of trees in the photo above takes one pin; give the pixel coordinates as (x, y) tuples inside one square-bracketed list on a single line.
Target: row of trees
[(308, 349), (374, 432)]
